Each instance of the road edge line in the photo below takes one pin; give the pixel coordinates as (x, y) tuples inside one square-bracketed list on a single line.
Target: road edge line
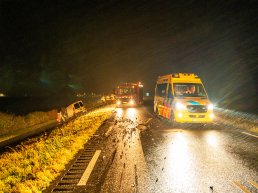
[(240, 186), (253, 183), (87, 172), (250, 134), (108, 131)]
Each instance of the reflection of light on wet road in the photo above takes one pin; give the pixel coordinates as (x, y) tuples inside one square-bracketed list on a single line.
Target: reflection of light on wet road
[(212, 139), (193, 160), (179, 169), (119, 112), (131, 114), (128, 165)]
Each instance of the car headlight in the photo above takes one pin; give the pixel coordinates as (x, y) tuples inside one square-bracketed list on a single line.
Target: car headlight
[(131, 102), (118, 102), (210, 107), (180, 106), (180, 115)]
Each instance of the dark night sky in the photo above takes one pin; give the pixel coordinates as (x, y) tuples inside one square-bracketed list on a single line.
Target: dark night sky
[(50, 47)]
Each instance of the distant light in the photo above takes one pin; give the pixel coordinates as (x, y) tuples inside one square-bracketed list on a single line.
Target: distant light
[(147, 94), (2, 95)]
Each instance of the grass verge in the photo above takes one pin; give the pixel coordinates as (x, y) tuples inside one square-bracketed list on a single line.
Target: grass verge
[(14, 125), (34, 164), (11, 124), (248, 122)]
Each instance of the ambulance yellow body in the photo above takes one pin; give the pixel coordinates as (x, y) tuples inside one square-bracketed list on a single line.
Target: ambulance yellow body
[(182, 98)]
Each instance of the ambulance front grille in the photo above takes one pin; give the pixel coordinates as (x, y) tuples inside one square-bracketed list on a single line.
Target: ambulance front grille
[(197, 108)]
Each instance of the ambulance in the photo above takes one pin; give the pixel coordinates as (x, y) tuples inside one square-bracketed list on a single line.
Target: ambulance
[(182, 98)]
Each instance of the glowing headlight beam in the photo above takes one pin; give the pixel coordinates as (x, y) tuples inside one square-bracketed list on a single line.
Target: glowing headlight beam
[(210, 107), (180, 106)]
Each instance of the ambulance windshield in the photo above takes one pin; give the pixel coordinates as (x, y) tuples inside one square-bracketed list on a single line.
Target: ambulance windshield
[(125, 90), (189, 90)]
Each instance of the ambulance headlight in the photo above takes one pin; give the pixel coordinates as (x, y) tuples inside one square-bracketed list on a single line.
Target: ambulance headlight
[(180, 115), (180, 106), (210, 107)]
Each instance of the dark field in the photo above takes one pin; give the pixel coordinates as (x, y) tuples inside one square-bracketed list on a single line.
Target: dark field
[(25, 105)]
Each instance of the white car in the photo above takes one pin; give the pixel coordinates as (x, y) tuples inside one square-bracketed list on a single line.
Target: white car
[(70, 111), (74, 109)]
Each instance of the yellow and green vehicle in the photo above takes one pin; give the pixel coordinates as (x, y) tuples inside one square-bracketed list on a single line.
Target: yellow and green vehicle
[(182, 98)]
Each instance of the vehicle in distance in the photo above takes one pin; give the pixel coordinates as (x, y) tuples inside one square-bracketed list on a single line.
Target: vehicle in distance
[(70, 111), (181, 97), (129, 93), (108, 98)]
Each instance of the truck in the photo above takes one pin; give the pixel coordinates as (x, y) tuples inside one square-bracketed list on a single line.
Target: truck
[(129, 93), (182, 98)]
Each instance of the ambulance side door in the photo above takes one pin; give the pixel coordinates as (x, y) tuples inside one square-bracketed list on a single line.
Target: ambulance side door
[(170, 96), (161, 93)]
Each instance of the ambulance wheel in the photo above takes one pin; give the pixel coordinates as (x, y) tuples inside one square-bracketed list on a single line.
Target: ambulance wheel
[(157, 111), (172, 120)]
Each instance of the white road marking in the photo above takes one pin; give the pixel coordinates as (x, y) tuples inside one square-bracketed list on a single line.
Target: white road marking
[(250, 134), (89, 169), (108, 131), (148, 121), (255, 184), (240, 186)]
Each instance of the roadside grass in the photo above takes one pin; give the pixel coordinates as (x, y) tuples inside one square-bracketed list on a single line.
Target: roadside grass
[(11, 124), (240, 120), (92, 104), (31, 166)]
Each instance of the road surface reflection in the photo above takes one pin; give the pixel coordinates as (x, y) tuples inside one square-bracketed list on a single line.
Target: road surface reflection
[(119, 113), (178, 164), (212, 139), (127, 113), (131, 114)]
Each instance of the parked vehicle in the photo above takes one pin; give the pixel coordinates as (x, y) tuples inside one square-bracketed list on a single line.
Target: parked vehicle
[(182, 98), (75, 108), (108, 98), (70, 111)]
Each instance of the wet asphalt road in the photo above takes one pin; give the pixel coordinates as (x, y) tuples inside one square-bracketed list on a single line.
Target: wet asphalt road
[(143, 153)]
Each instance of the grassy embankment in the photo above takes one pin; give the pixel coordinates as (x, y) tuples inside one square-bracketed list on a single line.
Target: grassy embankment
[(35, 163), (236, 119), (12, 125)]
